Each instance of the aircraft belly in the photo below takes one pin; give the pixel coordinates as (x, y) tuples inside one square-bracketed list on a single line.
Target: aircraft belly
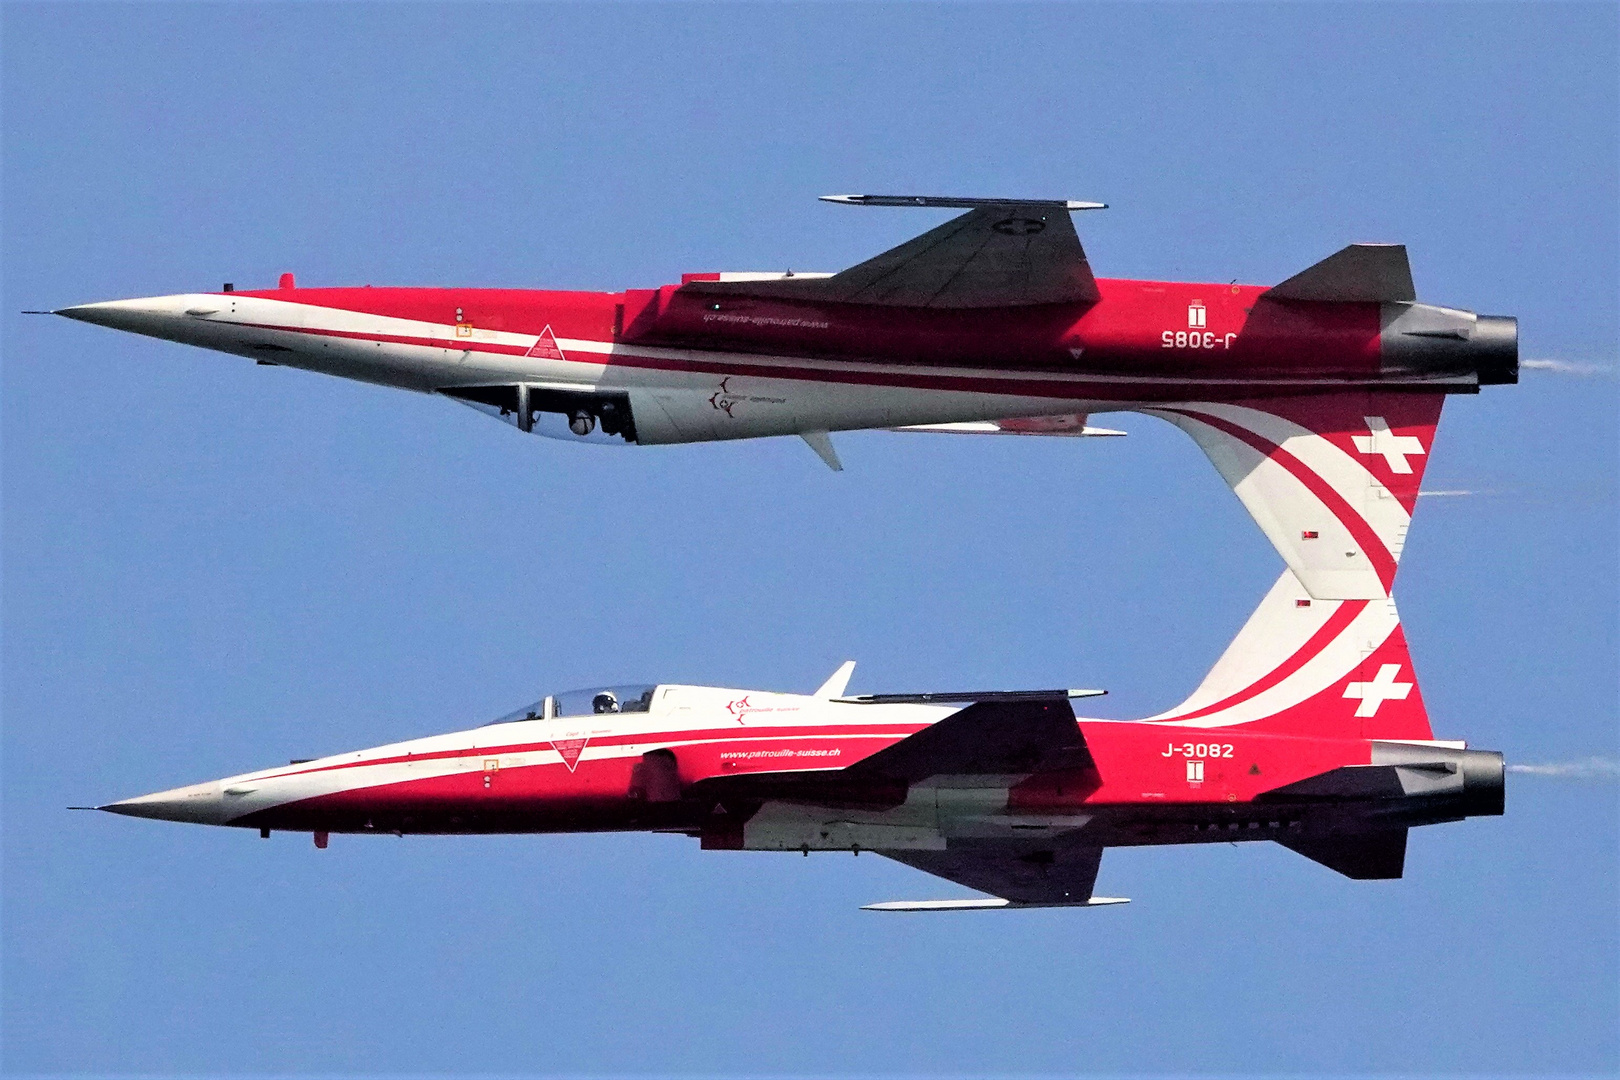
[(736, 407)]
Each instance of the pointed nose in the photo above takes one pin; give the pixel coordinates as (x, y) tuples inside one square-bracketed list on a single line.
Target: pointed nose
[(202, 804), (136, 315), (154, 315)]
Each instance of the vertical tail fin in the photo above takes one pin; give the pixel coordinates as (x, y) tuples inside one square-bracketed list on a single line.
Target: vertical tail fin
[(1306, 666), (1331, 479)]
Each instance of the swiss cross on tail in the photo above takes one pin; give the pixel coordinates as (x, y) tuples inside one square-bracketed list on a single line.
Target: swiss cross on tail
[(1332, 479), (1393, 448), (546, 347), (1380, 689)]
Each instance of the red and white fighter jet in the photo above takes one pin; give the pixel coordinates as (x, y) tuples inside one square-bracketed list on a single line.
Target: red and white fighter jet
[(992, 322), (1309, 731)]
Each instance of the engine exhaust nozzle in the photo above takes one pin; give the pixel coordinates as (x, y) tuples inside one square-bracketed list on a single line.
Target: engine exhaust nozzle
[(1421, 339), (1494, 345)]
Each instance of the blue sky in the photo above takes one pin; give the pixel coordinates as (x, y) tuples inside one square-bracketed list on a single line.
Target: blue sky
[(210, 567)]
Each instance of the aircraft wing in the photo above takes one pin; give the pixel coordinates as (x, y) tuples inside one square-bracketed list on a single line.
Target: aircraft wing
[(1001, 253), (1011, 734), (1019, 873), (1018, 734), (986, 738)]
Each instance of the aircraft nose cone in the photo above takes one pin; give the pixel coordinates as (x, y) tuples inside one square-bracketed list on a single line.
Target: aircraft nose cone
[(201, 804), (90, 313), (147, 315)]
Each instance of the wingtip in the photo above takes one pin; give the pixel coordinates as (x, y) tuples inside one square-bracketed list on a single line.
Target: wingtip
[(990, 903), (957, 202)]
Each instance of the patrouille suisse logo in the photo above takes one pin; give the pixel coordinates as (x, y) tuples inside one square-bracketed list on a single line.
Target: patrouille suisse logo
[(726, 399)]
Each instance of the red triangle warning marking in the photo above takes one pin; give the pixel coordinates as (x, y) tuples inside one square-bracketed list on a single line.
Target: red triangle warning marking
[(546, 348), (570, 749)]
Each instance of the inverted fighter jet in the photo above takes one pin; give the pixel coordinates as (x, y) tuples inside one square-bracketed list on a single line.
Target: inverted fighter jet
[(990, 323), (1310, 731)]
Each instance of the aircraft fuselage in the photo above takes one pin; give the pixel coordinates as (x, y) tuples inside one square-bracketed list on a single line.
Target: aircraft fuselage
[(750, 770), (678, 364)]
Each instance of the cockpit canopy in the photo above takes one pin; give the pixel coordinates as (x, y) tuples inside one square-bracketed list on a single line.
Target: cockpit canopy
[(629, 698)]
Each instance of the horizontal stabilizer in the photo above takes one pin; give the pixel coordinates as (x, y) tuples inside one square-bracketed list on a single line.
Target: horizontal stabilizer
[(986, 903), (1360, 273), (1375, 856)]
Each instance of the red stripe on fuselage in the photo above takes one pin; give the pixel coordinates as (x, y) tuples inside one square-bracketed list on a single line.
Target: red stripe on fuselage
[(670, 739), (1077, 387), (1329, 631)]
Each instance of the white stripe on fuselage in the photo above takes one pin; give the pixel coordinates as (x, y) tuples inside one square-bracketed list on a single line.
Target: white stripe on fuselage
[(462, 362), (530, 741)]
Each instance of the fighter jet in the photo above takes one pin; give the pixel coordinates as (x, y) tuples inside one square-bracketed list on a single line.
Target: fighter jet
[(990, 323), (1297, 736), (1309, 731)]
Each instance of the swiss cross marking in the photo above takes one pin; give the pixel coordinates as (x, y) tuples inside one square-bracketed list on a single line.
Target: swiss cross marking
[(1382, 688), (1393, 448)]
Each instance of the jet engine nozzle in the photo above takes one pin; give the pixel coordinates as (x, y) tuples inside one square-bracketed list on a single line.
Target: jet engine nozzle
[(1468, 780), (1484, 783), (1495, 347), (1422, 339)]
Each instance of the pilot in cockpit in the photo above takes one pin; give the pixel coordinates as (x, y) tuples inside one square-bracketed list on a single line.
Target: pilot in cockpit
[(605, 702)]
